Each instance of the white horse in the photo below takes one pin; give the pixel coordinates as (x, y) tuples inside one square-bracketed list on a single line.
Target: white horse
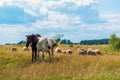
[(51, 42), (45, 45)]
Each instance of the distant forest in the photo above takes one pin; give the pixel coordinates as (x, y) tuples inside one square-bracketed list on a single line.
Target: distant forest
[(96, 41), (86, 42)]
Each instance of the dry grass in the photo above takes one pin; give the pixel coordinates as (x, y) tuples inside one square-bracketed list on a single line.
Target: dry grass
[(18, 65)]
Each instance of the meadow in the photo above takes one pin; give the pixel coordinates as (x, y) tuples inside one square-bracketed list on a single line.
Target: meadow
[(18, 66)]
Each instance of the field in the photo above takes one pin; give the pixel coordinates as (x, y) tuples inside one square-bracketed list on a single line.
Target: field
[(18, 65)]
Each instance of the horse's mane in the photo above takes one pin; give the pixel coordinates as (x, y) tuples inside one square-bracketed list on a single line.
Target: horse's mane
[(38, 35), (35, 35)]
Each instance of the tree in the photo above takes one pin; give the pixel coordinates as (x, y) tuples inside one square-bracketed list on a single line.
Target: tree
[(22, 42), (68, 42), (63, 41), (58, 37), (114, 42)]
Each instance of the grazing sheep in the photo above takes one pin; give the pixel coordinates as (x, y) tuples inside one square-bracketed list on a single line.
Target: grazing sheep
[(13, 49), (69, 51), (58, 50), (81, 51), (98, 52), (91, 52), (26, 49), (63, 51), (94, 52)]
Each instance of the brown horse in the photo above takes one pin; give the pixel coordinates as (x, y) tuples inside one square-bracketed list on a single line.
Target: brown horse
[(32, 39)]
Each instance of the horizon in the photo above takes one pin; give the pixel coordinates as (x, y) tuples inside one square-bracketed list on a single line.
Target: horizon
[(76, 19), (61, 39)]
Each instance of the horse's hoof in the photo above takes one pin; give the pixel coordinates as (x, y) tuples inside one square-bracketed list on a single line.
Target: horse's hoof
[(50, 61), (43, 61), (36, 62)]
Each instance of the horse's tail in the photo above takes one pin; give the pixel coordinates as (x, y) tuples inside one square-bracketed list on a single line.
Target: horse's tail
[(55, 45)]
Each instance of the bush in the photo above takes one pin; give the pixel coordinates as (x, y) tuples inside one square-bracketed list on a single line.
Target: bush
[(58, 37), (114, 42), (65, 41)]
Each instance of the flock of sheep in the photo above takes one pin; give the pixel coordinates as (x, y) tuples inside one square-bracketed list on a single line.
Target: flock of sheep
[(80, 51), (24, 48)]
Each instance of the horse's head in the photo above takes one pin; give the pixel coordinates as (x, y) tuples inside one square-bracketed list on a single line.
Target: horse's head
[(43, 42), (46, 44), (28, 40), (31, 39)]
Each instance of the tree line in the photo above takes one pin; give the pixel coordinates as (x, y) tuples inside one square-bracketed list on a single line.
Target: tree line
[(58, 38), (95, 41)]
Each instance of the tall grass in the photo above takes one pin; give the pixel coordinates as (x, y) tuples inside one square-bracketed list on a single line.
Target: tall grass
[(18, 65)]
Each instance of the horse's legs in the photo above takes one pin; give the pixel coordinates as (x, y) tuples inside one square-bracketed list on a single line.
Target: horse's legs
[(38, 56), (35, 54), (52, 53), (32, 56), (43, 55), (49, 55)]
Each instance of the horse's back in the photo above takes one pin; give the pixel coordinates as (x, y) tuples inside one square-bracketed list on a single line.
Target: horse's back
[(52, 42)]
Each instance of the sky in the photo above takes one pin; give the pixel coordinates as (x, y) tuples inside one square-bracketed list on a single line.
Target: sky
[(76, 19)]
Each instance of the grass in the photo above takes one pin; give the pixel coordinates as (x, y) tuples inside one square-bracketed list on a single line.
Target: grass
[(18, 65)]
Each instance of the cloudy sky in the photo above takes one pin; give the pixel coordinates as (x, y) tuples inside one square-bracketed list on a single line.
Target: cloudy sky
[(76, 19)]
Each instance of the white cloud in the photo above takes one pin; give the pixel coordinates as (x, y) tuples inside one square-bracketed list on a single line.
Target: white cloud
[(72, 26), (40, 6), (80, 2), (112, 18), (13, 29)]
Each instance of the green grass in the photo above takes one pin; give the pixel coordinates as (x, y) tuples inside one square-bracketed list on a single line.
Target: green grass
[(18, 65)]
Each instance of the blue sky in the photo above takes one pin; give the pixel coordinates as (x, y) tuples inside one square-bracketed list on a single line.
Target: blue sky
[(76, 19)]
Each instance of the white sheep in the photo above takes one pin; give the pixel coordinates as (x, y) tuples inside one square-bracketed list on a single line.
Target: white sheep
[(63, 51), (26, 49), (98, 52), (58, 50), (81, 51), (13, 49), (94, 52), (91, 51), (69, 51)]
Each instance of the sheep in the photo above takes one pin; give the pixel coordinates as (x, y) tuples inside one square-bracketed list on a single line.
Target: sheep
[(98, 52), (91, 52), (58, 50), (43, 46), (81, 51), (26, 49), (63, 51), (13, 49), (69, 51), (94, 52)]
